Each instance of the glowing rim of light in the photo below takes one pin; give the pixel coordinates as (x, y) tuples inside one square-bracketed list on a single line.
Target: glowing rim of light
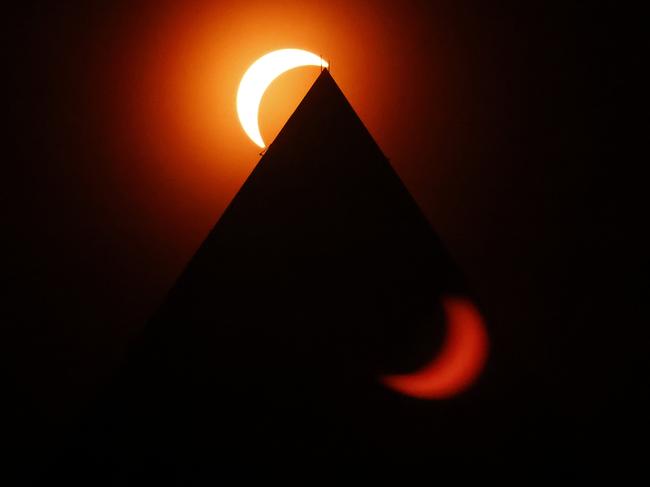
[(259, 77)]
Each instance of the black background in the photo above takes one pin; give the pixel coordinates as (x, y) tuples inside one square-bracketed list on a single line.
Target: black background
[(556, 256)]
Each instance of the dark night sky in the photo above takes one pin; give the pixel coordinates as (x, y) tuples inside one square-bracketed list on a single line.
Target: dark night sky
[(529, 178)]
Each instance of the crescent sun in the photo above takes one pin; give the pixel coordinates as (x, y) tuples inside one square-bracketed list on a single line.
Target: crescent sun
[(457, 365), (259, 77)]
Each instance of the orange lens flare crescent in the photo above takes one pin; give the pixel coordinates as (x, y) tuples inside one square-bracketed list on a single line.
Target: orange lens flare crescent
[(460, 362)]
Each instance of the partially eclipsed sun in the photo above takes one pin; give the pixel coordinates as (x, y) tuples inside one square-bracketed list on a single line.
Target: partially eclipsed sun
[(259, 77), (458, 364)]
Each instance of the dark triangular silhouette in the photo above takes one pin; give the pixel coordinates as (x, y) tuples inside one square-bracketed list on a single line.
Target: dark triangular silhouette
[(321, 275)]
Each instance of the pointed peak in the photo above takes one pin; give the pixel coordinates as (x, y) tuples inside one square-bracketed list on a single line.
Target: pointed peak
[(326, 81), (323, 108), (326, 74), (326, 78)]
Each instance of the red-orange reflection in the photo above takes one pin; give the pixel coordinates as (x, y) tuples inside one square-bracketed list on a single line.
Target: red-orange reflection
[(459, 363)]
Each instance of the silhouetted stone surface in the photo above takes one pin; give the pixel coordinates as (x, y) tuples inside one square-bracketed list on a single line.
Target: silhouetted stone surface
[(321, 275)]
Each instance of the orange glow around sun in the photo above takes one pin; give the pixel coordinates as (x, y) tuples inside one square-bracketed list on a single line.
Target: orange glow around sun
[(168, 81), (164, 82)]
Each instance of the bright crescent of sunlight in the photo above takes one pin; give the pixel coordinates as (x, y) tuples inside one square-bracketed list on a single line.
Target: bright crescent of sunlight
[(259, 77)]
